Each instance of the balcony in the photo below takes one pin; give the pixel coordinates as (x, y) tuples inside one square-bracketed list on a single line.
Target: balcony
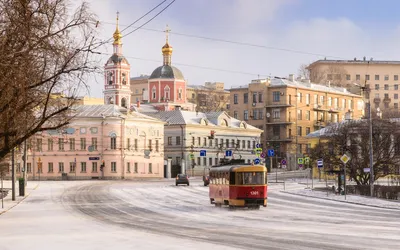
[(277, 121), (277, 138), (334, 110), (377, 100), (319, 124), (319, 107), (278, 105), (387, 100)]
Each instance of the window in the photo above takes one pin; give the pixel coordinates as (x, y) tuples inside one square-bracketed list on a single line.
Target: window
[(166, 93), (150, 168), (235, 99), (210, 161), (94, 167), (113, 142), (276, 130), (348, 77), (109, 78), (227, 143), (254, 144), (178, 140), (245, 97), (157, 146), (83, 167), (113, 166), (357, 77), (376, 86), (308, 114), (135, 167), (29, 167), (299, 114), (299, 132), (193, 140), (198, 141), (72, 166), (315, 99), (150, 145), (210, 142), (216, 161), (243, 144), (307, 99), (128, 167), (299, 97), (61, 144), (260, 97), (60, 167), (235, 114), (367, 77), (39, 145), (308, 130), (246, 115), (276, 96), (153, 92), (396, 87), (50, 165), (83, 143), (396, 96), (396, 77), (204, 161), (248, 144), (276, 113), (386, 77), (376, 77), (396, 105), (254, 97), (205, 141), (255, 114), (136, 144), (198, 161), (128, 143), (94, 143), (386, 86), (180, 93), (261, 114), (50, 144)]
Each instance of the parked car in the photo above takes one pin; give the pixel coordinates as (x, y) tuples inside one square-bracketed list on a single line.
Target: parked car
[(206, 180), (182, 179)]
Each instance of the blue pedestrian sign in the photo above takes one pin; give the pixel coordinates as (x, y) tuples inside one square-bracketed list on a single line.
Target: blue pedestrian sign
[(271, 152), (228, 153), (257, 161), (320, 163), (203, 152), (258, 145)]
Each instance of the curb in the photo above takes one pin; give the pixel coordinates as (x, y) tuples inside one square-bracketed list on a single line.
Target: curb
[(350, 202), (26, 196)]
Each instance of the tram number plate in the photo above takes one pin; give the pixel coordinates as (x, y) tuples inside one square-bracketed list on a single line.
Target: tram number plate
[(254, 192)]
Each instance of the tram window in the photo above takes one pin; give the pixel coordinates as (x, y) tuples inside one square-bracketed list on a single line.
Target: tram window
[(232, 178), (251, 178)]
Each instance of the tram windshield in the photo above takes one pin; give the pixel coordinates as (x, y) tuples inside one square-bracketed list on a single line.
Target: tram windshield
[(250, 178)]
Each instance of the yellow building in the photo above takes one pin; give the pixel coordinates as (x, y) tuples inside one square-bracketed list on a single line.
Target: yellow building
[(208, 97), (287, 110), (86, 100), (381, 76)]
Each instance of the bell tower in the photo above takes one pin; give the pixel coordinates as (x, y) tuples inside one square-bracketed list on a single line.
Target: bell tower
[(117, 75)]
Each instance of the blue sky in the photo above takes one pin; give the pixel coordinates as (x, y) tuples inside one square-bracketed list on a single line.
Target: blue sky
[(342, 29)]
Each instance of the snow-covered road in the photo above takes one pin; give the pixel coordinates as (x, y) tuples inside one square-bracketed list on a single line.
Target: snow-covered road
[(159, 215)]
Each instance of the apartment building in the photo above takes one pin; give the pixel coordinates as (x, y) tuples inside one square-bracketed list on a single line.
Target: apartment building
[(208, 97), (287, 110), (381, 76), (139, 89)]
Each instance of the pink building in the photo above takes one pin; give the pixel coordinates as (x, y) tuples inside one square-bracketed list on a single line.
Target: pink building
[(102, 142)]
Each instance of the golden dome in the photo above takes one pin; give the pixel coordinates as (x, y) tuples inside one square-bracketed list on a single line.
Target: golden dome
[(117, 35), (167, 49)]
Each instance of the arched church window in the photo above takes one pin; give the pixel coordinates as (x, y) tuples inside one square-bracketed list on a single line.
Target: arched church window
[(110, 100), (123, 102), (180, 94), (166, 93), (109, 78), (124, 78), (153, 90)]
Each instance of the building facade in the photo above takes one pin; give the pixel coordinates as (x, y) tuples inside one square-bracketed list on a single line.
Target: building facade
[(209, 97), (101, 142), (217, 134), (382, 77), (292, 109), (139, 89)]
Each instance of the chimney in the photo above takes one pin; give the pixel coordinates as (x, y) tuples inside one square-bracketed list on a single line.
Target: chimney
[(291, 77), (138, 104)]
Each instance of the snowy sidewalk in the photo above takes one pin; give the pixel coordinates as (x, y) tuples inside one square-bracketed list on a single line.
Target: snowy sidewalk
[(350, 198), (8, 203)]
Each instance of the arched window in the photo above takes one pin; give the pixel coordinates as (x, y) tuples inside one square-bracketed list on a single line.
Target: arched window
[(110, 100), (166, 93), (153, 90), (123, 102), (124, 78), (109, 78), (180, 94)]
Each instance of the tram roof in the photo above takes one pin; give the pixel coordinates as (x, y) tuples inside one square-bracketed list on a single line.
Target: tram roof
[(235, 168)]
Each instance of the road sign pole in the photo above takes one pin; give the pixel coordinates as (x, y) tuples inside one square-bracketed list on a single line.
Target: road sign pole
[(312, 178), (276, 168), (344, 183)]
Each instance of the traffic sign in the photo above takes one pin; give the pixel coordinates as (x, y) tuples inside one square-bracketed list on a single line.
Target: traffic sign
[(191, 156), (271, 152), (307, 160), (228, 153), (257, 161), (283, 166), (94, 158), (283, 161), (367, 170), (263, 155), (203, 152), (300, 161), (300, 165), (258, 145), (320, 163), (345, 158)]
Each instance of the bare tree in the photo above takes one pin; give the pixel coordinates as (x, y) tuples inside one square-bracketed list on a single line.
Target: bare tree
[(304, 72), (208, 100), (386, 148), (334, 75), (46, 57)]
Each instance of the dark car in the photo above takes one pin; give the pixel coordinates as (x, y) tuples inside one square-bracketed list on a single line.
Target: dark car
[(182, 179), (206, 180)]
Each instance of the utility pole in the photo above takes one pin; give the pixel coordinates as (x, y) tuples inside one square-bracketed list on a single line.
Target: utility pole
[(371, 152), (12, 175)]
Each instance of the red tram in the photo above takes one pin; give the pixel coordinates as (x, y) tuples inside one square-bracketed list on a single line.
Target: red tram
[(238, 185)]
